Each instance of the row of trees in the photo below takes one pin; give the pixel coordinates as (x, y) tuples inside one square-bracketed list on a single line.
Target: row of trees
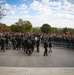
[(21, 26), (46, 28), (4, 28), (26, 26)]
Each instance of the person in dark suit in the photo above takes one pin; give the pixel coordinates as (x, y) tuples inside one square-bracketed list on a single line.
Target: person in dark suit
[(29, 47), (13, 43), (37, 44), (25, 45), (19, 42), (6, 41), (45, 47), (33, 43), (2, 43), (50, 46)]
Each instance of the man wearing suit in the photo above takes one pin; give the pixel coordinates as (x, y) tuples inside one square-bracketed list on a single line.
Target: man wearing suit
[(45, 47)]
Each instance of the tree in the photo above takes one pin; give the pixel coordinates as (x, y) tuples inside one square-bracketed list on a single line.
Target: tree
[(55, 30), (27, 26), (65, 30), (21, 26), (13, 28), (46, 28), (4, 28), (71, 31), (36, 30)]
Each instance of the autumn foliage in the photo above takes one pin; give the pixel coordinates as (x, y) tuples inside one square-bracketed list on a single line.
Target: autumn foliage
[(4, 28)]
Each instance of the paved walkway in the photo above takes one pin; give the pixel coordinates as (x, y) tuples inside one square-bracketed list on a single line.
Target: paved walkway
[(60, 57), (35, 71)]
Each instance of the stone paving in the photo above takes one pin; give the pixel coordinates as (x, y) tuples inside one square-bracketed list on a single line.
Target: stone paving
[(35, 71), (60, 57)]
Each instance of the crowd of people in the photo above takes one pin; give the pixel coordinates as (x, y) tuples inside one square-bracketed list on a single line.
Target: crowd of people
[(28, 41), (64, 41)]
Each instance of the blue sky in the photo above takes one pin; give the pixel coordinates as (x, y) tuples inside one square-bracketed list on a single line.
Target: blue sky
[(57, 13)]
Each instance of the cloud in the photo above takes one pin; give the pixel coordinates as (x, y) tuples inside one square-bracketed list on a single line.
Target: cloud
[(7, 6), (45, 1), (41, 8), (46, 7), (56, 13), (13, 12), (23, 9), (1, 1), (23, 6), (68, 5), (69, 16), (15, 9), (38, 21)]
